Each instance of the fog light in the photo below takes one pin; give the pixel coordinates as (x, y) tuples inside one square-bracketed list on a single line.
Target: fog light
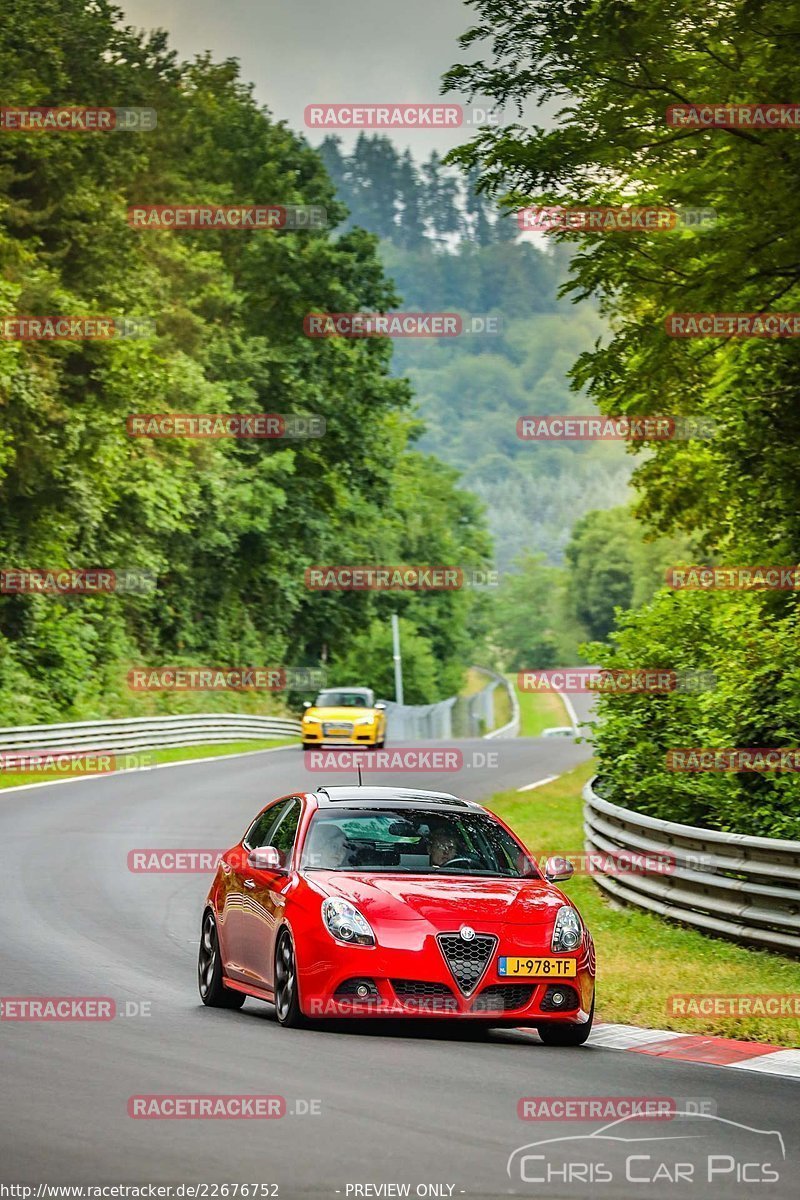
[(560, 998), (362, 990)]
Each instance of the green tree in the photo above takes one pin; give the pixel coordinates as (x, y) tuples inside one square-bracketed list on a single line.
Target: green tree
[(611, 69)]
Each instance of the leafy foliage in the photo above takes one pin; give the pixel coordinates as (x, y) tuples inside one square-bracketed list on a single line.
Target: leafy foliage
[(611, 68), (229, 526)]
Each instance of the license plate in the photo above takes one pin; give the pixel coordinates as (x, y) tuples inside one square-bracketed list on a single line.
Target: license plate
[(337, 731), (551, 968)]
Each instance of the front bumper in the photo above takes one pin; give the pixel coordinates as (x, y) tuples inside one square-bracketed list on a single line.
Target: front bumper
[(366, 736), (411, 979)]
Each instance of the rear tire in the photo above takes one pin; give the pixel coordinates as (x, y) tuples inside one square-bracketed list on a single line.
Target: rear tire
[(559, 1033), (213, 992), (287, 999)]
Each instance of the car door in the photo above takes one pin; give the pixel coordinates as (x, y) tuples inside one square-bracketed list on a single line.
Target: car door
[(238, 898), (266, 896)]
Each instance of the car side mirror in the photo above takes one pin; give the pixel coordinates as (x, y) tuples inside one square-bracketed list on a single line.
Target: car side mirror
[(306, 704), (265, 858), (558, 870), (380, 705)]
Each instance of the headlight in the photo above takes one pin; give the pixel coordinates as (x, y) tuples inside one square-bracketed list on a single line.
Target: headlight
[(311, 721), (365, 720), (567, 931), (345, 923)]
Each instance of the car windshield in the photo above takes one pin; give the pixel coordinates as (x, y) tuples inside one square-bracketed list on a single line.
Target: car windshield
[(414, 841), (343, 699)]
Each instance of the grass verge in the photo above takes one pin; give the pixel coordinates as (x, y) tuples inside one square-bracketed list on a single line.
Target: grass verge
[(149, 758), (642, 959), (538, 711)]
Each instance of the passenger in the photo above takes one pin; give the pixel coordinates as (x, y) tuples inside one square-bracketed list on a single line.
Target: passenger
[(329, 847)]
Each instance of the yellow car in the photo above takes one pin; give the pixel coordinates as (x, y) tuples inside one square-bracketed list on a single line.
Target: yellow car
[(345, 716)]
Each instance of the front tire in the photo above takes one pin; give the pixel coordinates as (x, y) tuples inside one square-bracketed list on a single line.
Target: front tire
[(287, 999), (558, 1033), (213, 992)]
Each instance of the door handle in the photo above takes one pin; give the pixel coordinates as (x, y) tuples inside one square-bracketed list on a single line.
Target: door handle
[(249, 883)]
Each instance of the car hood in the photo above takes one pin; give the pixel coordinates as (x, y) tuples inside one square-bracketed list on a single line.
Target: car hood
[(446, 903), (339, 714)]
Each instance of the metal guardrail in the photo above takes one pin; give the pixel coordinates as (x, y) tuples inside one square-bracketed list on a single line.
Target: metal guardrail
[(417, 722), (739, 887), (146, 733), (457, 716), (511, 729)]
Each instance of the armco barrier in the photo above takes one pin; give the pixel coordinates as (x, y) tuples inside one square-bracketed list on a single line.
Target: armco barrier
[(458, 716), (511, 729), (146, 733), (739, 887)]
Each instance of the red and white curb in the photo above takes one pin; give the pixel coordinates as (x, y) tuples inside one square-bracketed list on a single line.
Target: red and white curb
[(699, 1048)]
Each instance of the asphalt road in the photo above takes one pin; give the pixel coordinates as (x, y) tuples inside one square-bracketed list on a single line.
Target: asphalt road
[(397, 1106)]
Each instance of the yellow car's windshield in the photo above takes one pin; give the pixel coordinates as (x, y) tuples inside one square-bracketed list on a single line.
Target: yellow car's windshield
[(336, 698)]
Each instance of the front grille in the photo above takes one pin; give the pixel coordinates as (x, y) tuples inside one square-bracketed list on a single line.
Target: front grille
[(348, 990), (467, 960), (571, 998), (337, 728), (425, 995), (504, 997)]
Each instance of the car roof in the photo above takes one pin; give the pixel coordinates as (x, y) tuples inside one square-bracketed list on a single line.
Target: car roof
[(354, 796)]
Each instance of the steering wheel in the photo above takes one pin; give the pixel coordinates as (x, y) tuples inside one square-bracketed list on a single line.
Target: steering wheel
[(461, 860)]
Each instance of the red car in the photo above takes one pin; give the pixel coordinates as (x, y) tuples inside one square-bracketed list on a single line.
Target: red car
[(376, 902)]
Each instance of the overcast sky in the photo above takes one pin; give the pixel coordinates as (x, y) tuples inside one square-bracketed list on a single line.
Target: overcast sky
[(299, 52)]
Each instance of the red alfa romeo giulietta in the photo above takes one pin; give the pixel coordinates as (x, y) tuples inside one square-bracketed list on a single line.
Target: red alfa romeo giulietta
[(389, 902)]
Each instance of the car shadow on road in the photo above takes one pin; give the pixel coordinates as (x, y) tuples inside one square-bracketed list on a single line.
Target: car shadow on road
[(442, 1030)]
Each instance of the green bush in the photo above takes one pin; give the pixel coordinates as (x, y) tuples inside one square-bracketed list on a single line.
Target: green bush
[(751, 642)]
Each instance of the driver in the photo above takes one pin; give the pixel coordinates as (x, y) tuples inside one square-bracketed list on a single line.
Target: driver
[(442, 847)]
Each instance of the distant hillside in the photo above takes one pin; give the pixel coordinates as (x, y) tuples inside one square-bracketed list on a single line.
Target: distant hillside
[(446, 249)]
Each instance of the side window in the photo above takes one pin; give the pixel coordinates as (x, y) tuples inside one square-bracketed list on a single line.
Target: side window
[(260, 831), (282, 838)]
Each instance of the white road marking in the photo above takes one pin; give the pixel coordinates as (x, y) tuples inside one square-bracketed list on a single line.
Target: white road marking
[(183, 762), (539, 783)]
